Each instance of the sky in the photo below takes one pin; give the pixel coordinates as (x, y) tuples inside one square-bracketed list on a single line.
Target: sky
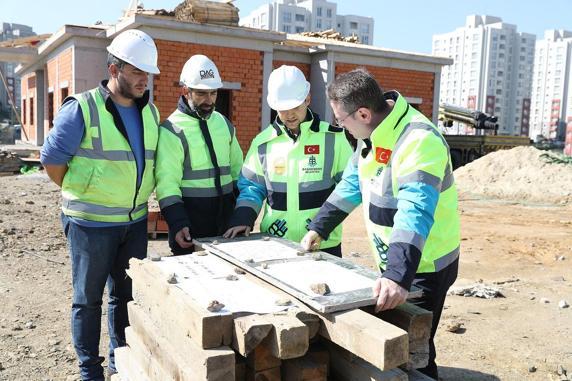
[(406, 25)]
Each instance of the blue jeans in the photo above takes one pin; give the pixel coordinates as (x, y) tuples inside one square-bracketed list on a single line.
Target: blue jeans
[(99, 256)]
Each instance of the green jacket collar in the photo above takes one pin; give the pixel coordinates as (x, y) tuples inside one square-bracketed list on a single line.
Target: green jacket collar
[(386, 133)]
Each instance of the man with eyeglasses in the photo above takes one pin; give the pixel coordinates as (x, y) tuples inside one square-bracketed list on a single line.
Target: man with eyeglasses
[(402, 173), (101, 152), (294, 164)]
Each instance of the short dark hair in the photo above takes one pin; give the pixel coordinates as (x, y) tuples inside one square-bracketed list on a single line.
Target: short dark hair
[(111, 59), (355, 89)]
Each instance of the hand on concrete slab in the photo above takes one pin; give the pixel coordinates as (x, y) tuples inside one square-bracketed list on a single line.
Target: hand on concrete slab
[(236, 230), (311, 241), (183, 238), (388, 293)]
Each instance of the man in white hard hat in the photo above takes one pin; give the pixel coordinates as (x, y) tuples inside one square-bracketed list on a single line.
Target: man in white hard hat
[(101, 153), (198, 160), (293, 164)]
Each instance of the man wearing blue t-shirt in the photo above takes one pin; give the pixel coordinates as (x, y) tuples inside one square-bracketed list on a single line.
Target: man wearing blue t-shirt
[(101, 152)]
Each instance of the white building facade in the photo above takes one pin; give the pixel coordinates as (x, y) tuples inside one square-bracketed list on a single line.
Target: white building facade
[(296, 16), (492, 71), (551, 91)]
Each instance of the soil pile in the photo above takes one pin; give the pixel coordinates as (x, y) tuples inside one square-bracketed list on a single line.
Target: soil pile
[(520, 174)]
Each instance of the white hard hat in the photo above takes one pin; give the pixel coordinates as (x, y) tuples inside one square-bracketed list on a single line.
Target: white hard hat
[(200, 73), (136, 48), (287, 88)]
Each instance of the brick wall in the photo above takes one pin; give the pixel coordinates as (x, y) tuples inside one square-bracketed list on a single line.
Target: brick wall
[(409, 83), (235, 65), (58, 72), (302, 66), (28, 91)]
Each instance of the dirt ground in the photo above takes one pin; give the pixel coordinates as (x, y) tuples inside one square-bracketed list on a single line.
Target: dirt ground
[(517, 245)]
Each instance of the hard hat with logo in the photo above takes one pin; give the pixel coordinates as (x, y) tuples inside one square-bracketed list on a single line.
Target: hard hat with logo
[(136, 48), (200, 73), (287, 88)]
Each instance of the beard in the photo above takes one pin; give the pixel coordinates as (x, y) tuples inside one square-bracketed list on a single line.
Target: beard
[(126, 90), (203, 110)]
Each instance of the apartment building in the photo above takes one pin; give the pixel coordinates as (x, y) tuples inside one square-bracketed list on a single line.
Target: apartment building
[(551, 107), (491, 72), (296, 16)]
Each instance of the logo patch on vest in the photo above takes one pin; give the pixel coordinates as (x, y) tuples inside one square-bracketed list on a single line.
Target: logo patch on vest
[(205, 74), (312, 166), (382, 155), (381, 249), (313, 149), (278, 228), (279, 165)]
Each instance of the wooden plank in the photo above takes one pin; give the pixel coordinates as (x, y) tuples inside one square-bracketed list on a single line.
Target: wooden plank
[(289, 337), (376, 341), (207, 329), (240, 369), (180, 357), (264, 375), (249, 331), (127, 367), (304, 369), (345, 366), (283, 264), (145, 357), (417, 322), (262, 358)]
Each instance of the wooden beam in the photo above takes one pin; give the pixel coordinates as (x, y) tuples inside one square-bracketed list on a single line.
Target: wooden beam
[(207, 329), (127, 366), (374, 340), (305, 369), (180, 357), (262, 358), (417, 322), (289, 336), (264, 375), (249, 331), (415, 375), (345, 366)]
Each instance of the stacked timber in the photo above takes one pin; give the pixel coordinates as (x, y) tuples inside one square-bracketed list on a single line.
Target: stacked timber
[(209, 12), (331, 34), (198, 317)]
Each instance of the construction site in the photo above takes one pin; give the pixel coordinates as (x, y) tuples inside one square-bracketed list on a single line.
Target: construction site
[(260, 308)]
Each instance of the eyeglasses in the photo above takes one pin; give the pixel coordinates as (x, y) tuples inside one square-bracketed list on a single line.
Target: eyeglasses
[(340, 122)]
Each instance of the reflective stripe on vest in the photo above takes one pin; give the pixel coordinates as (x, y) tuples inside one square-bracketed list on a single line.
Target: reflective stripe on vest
[(100, 184)]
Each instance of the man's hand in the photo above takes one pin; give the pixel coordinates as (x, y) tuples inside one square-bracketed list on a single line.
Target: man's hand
[(311, 241), (389, 294), (236, 230), (183, 238)]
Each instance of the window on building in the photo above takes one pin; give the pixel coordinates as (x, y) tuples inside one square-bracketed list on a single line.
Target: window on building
[(31, 110), (64, 94), (319, 11), (299, 29), (287, 17), (50, 109), (224, 102), (353, 25), (24, 111), (286, 28), (319, 23), (365, 40), (300, 17), (329, 12)]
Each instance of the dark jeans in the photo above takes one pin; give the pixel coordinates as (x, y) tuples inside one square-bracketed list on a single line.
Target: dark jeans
[(99, 256), (435, 287)]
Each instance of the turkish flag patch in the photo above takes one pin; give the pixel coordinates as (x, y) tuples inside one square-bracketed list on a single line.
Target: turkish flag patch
[(312, 149), (382, 155)]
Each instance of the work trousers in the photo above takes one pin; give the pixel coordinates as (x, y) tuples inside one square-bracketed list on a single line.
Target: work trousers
[(100, 256), (435, 287)]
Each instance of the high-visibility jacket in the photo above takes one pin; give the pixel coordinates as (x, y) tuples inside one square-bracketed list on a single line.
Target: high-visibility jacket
[(404, 178), (295, 177), (198, 162), (101, 181)]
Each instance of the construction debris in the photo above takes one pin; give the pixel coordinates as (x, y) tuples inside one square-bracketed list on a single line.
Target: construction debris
[(478, 290), (25, 42), (207, 12), (331, 34), (9, 163)]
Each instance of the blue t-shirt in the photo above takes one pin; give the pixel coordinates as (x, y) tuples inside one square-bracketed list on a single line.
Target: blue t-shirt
[(65, 138)]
